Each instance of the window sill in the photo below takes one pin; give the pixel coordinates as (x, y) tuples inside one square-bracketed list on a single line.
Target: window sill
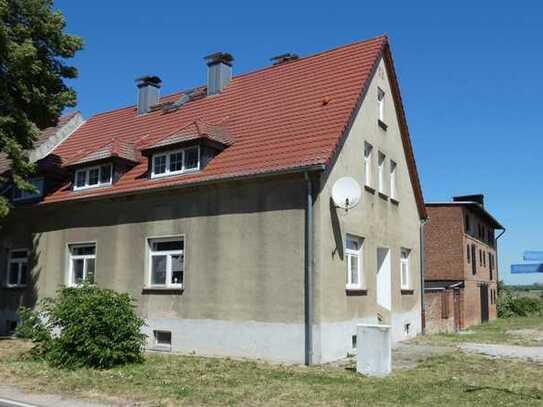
[(356, 291), (173, 174), (162, 290), (383, 196), (382, 124), (15, 287), (369, 189), (394, 201), (405, 291)]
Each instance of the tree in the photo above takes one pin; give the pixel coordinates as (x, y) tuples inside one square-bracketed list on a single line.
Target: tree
[(33, 94)]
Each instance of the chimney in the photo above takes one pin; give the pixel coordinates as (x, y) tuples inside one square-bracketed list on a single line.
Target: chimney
[(281, 59), (479, 198), (219, 73), (148, 92)]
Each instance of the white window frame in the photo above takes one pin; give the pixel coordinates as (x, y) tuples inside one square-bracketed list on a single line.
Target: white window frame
[(359, 254), (84, 257), (169, 254), (168, 155), (405, 284), (393, 180), (87, 170), (381, 104), (39, 184), (368, 160), (381, 159), (19, 261)]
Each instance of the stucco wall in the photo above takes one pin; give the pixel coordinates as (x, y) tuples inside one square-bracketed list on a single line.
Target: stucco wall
[(244, 261), (380, 222)]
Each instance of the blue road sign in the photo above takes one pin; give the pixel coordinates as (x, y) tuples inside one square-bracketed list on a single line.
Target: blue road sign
[(533, 255), (526, 268)]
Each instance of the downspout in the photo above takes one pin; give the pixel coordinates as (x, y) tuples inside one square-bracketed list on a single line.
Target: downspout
[(308, 272), (422, 274), (496, 249)]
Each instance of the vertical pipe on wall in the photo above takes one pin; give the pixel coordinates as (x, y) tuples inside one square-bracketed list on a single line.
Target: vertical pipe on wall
[(308, 273), (422, 274)]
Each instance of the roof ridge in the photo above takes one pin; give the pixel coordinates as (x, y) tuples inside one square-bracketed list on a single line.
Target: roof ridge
[(186, 91)]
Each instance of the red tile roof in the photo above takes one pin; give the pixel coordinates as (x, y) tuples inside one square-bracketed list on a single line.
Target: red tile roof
[(113, 148), (284, 117)]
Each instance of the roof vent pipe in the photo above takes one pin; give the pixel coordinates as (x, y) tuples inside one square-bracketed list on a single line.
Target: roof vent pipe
[(148, 92), (219, 73)]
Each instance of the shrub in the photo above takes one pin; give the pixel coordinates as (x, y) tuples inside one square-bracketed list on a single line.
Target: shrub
[(511, 306), (85, 326)]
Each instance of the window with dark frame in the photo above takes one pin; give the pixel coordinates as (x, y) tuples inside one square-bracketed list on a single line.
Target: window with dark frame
[(467, 253)]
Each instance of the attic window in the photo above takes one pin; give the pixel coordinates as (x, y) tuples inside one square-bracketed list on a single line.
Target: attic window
[(175, 162), (92, 177)]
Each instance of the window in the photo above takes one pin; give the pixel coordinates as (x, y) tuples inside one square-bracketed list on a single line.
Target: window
[(484, 259), (404, 268), (163, 338), (166, 262), (176, 162), (381, 171), (393, 180), (82, 263), (93, 177), (467, 225), (17, 268), (38, 183), (444, 305), (467, 252), (480, 257), (368, 158), (381, 103), (353, 254)]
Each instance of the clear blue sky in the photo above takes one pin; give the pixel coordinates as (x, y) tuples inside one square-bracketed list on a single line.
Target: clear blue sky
[(470, 74)]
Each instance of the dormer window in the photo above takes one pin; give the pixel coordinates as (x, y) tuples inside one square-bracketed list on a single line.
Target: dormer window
[(38, 183), (93, 177), (175, 162)]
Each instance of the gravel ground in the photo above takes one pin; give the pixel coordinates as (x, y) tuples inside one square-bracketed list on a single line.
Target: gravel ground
[(530, 353)]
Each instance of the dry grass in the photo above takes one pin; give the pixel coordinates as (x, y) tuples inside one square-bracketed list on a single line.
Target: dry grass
[(524, 331), (171, 380)]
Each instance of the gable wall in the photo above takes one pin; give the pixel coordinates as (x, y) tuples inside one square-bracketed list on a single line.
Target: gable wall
[(379, 221)]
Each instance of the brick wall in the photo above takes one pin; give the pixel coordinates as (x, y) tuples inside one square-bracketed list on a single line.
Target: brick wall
[(443, 243), (439, 311)]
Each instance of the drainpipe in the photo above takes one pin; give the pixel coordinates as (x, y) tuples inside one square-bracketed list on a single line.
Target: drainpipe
[(496, 249), (422, 274), (308, 273)]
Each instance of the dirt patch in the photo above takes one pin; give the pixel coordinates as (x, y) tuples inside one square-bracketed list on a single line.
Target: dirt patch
[(535, 335), (529, 353)]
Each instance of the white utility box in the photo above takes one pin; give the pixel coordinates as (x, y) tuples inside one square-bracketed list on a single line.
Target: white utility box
[(374, 349)]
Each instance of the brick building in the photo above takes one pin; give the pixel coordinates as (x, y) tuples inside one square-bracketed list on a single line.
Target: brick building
[(461, 267)]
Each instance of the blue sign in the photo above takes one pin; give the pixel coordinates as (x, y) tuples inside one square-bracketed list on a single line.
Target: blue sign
[(533, 255), (526, 268)]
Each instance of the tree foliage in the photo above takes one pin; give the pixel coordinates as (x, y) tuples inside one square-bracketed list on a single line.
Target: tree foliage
[(33, 94), (85, 326)]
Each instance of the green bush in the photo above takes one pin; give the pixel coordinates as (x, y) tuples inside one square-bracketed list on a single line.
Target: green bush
[(511, 306), (85, 326)]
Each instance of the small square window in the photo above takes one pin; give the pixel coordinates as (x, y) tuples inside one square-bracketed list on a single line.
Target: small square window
[(163, 338)]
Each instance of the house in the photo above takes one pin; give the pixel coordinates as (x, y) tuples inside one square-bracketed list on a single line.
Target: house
[(461, 265), (212, 208)]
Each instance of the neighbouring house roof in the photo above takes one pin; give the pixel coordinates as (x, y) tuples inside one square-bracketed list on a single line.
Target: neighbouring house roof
[(287, 117), (48, 139), (475, 206), (441, 285)]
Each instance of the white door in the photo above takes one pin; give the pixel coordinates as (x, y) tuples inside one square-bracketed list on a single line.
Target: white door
[(384, 278)]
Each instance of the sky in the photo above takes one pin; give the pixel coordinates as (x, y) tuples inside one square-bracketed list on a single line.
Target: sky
[(469, 73)]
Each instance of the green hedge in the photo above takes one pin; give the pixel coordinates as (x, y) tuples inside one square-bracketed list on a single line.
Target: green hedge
[(510, 305)]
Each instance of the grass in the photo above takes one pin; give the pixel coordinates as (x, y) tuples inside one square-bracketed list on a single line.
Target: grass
[(171, 380), (498, 331)]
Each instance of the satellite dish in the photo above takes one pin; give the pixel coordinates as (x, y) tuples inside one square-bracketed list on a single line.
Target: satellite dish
[(346, 193)]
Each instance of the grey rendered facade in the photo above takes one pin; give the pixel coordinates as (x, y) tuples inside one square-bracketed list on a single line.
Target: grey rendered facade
[(244, 292)]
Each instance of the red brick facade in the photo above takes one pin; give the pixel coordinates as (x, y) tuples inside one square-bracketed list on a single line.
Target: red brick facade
[(455, 237)]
